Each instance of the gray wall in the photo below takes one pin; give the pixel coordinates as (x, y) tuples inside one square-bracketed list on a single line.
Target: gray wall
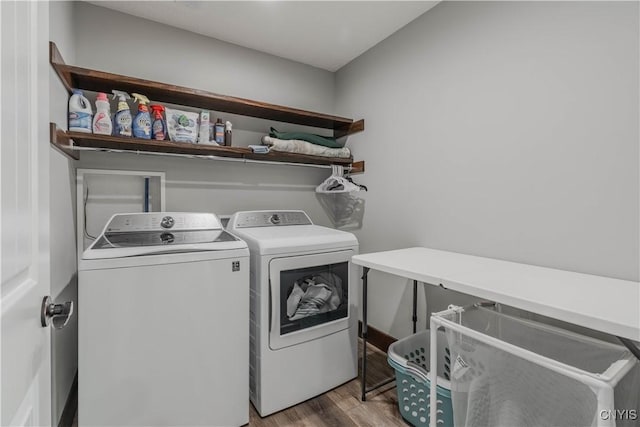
[(64, 284), (115, 42), (500, 129)]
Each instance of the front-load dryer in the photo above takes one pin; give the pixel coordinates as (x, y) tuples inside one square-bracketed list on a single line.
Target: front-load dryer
[(303, 323), (163, 337)]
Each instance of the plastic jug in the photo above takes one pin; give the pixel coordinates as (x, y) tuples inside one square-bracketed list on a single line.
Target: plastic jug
[(102, 120), (80, 112), (142, 121), (159, 126), (122, 120)]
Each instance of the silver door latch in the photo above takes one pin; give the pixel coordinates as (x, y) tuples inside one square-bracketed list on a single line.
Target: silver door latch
[(56, 315)]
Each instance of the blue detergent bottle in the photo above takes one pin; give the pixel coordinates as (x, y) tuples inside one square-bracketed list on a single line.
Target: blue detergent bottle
[(142, 121)]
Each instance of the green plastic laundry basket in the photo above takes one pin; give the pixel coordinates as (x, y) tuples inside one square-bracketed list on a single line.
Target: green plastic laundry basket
[(410, 359)]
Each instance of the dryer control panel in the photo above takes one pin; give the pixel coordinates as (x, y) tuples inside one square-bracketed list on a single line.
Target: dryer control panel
[(269, 219)]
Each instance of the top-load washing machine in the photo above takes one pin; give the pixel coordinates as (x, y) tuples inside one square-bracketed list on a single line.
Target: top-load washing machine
[(163, 304), (303, 323)]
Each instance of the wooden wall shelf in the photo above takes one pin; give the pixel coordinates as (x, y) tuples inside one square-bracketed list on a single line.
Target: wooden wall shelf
[(65, 141), (100, 81)]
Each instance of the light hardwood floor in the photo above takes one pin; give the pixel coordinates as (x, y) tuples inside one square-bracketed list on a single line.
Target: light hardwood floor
[(342, 406)]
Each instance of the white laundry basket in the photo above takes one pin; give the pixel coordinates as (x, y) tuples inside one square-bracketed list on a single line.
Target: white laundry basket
[(511, 372)]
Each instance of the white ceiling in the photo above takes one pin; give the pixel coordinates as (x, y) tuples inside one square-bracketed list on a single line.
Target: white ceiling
[(324, 34)]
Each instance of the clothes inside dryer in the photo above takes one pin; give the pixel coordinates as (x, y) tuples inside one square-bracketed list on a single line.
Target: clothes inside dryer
[(312, 296)]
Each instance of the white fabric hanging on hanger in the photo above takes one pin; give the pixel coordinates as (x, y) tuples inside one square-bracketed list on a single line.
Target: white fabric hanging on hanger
[(338, 198), (336, 183)]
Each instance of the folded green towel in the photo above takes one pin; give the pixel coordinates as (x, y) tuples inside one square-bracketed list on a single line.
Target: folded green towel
[(325, 141)]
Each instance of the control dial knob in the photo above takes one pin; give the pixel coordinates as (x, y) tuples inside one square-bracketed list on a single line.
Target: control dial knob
[(167, 238), (275, 219), (167, 222)]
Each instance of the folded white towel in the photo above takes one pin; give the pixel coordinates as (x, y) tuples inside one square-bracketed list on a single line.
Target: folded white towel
[(304, 147)]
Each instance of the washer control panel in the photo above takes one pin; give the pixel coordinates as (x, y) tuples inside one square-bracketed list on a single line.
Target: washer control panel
[(161, 221), (269, 219)]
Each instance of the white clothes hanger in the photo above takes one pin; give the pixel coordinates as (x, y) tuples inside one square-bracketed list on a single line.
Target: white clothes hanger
[(336, 183)]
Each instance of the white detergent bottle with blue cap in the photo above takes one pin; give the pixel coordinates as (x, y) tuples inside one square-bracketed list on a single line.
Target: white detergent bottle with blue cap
[(80, 112), (142, 121)]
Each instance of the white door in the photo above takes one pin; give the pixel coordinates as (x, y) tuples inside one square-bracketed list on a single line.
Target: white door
[(25, 363)]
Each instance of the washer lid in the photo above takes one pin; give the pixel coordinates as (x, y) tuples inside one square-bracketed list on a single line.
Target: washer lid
[(127, 235)]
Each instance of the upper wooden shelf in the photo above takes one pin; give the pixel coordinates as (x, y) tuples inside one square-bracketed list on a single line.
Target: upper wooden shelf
[(99, 81)]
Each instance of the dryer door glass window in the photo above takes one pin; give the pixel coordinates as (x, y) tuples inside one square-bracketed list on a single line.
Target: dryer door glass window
[(313, 296)]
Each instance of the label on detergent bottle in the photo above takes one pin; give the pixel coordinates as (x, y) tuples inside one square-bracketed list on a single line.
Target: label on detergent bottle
[(102, 123), (123, 123), (142, 128), (158, 130), (78, 119)]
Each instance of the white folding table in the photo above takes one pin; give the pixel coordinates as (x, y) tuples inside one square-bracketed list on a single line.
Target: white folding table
[(600, 303)]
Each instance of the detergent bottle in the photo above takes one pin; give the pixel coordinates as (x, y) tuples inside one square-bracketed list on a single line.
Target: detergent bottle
[(158, 127), (122, 120), (80, 112), (219, 132), (142, 121), (203, 135), (227, 133), (102, 120)]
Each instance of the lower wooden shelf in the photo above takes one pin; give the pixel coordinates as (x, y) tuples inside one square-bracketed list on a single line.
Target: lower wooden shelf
[(66, 140)]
